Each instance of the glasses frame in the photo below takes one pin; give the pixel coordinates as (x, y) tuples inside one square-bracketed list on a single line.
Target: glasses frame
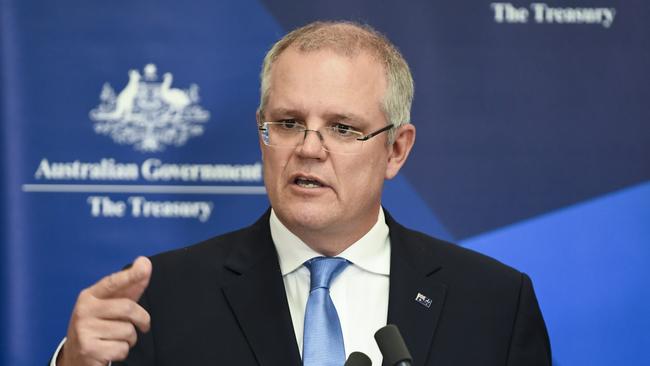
[(263, 127)]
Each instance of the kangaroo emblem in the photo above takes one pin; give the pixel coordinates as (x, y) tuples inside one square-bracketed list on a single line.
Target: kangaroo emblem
[(149, 114), (124, 101)]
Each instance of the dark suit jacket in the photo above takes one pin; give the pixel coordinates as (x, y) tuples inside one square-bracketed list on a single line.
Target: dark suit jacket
[(222, 302)]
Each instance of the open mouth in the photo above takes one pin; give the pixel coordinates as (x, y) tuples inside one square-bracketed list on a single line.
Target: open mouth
[(307, 183)]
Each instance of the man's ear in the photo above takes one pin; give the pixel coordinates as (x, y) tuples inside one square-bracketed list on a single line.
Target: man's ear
[(400, 149)]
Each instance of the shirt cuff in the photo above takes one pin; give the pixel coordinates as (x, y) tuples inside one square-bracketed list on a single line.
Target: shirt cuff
[(58, 349), (56, 353)]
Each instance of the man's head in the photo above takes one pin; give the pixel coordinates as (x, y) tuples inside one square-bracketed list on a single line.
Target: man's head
[(350, 39), (333, 77)]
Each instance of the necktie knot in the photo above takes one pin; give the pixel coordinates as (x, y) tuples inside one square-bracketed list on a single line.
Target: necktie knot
[(324, 269)]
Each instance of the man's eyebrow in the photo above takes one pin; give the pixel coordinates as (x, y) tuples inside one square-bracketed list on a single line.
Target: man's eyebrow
[(334, 116), (285, 111), (351, 117)]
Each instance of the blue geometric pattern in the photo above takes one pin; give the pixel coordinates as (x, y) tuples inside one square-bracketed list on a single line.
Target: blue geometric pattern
[(589, 264)]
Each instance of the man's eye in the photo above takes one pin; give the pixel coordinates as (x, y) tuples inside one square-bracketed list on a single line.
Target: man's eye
[(343, 130), (289, 124)]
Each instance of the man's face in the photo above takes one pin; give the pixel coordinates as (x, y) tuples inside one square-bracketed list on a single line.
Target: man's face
[(319, 89)]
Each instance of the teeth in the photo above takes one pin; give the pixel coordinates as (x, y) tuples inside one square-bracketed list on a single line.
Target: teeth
[(308, 183)]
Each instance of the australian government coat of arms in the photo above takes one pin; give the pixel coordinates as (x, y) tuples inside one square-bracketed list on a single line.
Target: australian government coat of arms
[(148, 113)]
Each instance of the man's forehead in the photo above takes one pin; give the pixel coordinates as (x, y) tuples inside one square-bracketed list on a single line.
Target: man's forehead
[(292, 59), (289, 95)]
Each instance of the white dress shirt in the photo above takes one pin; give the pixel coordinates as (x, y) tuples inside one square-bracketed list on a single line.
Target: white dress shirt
[(359, 293)]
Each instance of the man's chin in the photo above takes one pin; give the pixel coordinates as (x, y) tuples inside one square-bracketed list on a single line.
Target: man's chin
[(306, 216)]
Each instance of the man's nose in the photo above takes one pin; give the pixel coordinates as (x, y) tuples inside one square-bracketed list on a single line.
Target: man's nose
[(312, 145)]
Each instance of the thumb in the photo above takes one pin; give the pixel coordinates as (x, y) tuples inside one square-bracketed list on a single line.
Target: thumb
[(130, 282)]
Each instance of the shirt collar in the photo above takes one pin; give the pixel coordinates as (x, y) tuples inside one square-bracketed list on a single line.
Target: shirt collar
[(370, 253)]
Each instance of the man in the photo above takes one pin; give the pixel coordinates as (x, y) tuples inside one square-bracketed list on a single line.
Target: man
[(334, 124)]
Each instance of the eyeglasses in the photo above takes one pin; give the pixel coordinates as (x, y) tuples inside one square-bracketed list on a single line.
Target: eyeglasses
[(338, 138)]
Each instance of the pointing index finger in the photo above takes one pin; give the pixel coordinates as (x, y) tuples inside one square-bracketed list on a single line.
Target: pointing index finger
[(129, 283)]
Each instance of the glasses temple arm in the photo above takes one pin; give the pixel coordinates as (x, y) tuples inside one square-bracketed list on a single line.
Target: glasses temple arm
[(373, 134)]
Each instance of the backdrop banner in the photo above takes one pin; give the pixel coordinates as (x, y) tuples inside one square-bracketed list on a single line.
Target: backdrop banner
[(128, 128)]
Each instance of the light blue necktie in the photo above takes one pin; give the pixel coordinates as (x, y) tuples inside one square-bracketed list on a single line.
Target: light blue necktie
[(322, 337)]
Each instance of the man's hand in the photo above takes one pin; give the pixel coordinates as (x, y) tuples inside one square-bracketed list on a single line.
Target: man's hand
[(102, 325)]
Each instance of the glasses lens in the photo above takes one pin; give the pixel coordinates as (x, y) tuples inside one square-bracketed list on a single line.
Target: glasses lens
[(265, 136), (282, 134), (342, 139)]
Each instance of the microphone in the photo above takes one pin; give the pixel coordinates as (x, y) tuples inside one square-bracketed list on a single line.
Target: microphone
[(358, 359), (392, 346)]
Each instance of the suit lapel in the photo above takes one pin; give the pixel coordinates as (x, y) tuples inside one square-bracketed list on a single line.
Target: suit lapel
[(416, 298), (258, 299)]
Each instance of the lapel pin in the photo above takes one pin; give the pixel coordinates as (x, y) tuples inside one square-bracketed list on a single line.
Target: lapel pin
[(423, 300)]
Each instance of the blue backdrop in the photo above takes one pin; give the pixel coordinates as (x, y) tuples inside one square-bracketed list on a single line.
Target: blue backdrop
[(128, 128)]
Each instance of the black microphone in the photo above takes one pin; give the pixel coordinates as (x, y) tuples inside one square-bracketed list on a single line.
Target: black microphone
[(392, 346), (358, 359)]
